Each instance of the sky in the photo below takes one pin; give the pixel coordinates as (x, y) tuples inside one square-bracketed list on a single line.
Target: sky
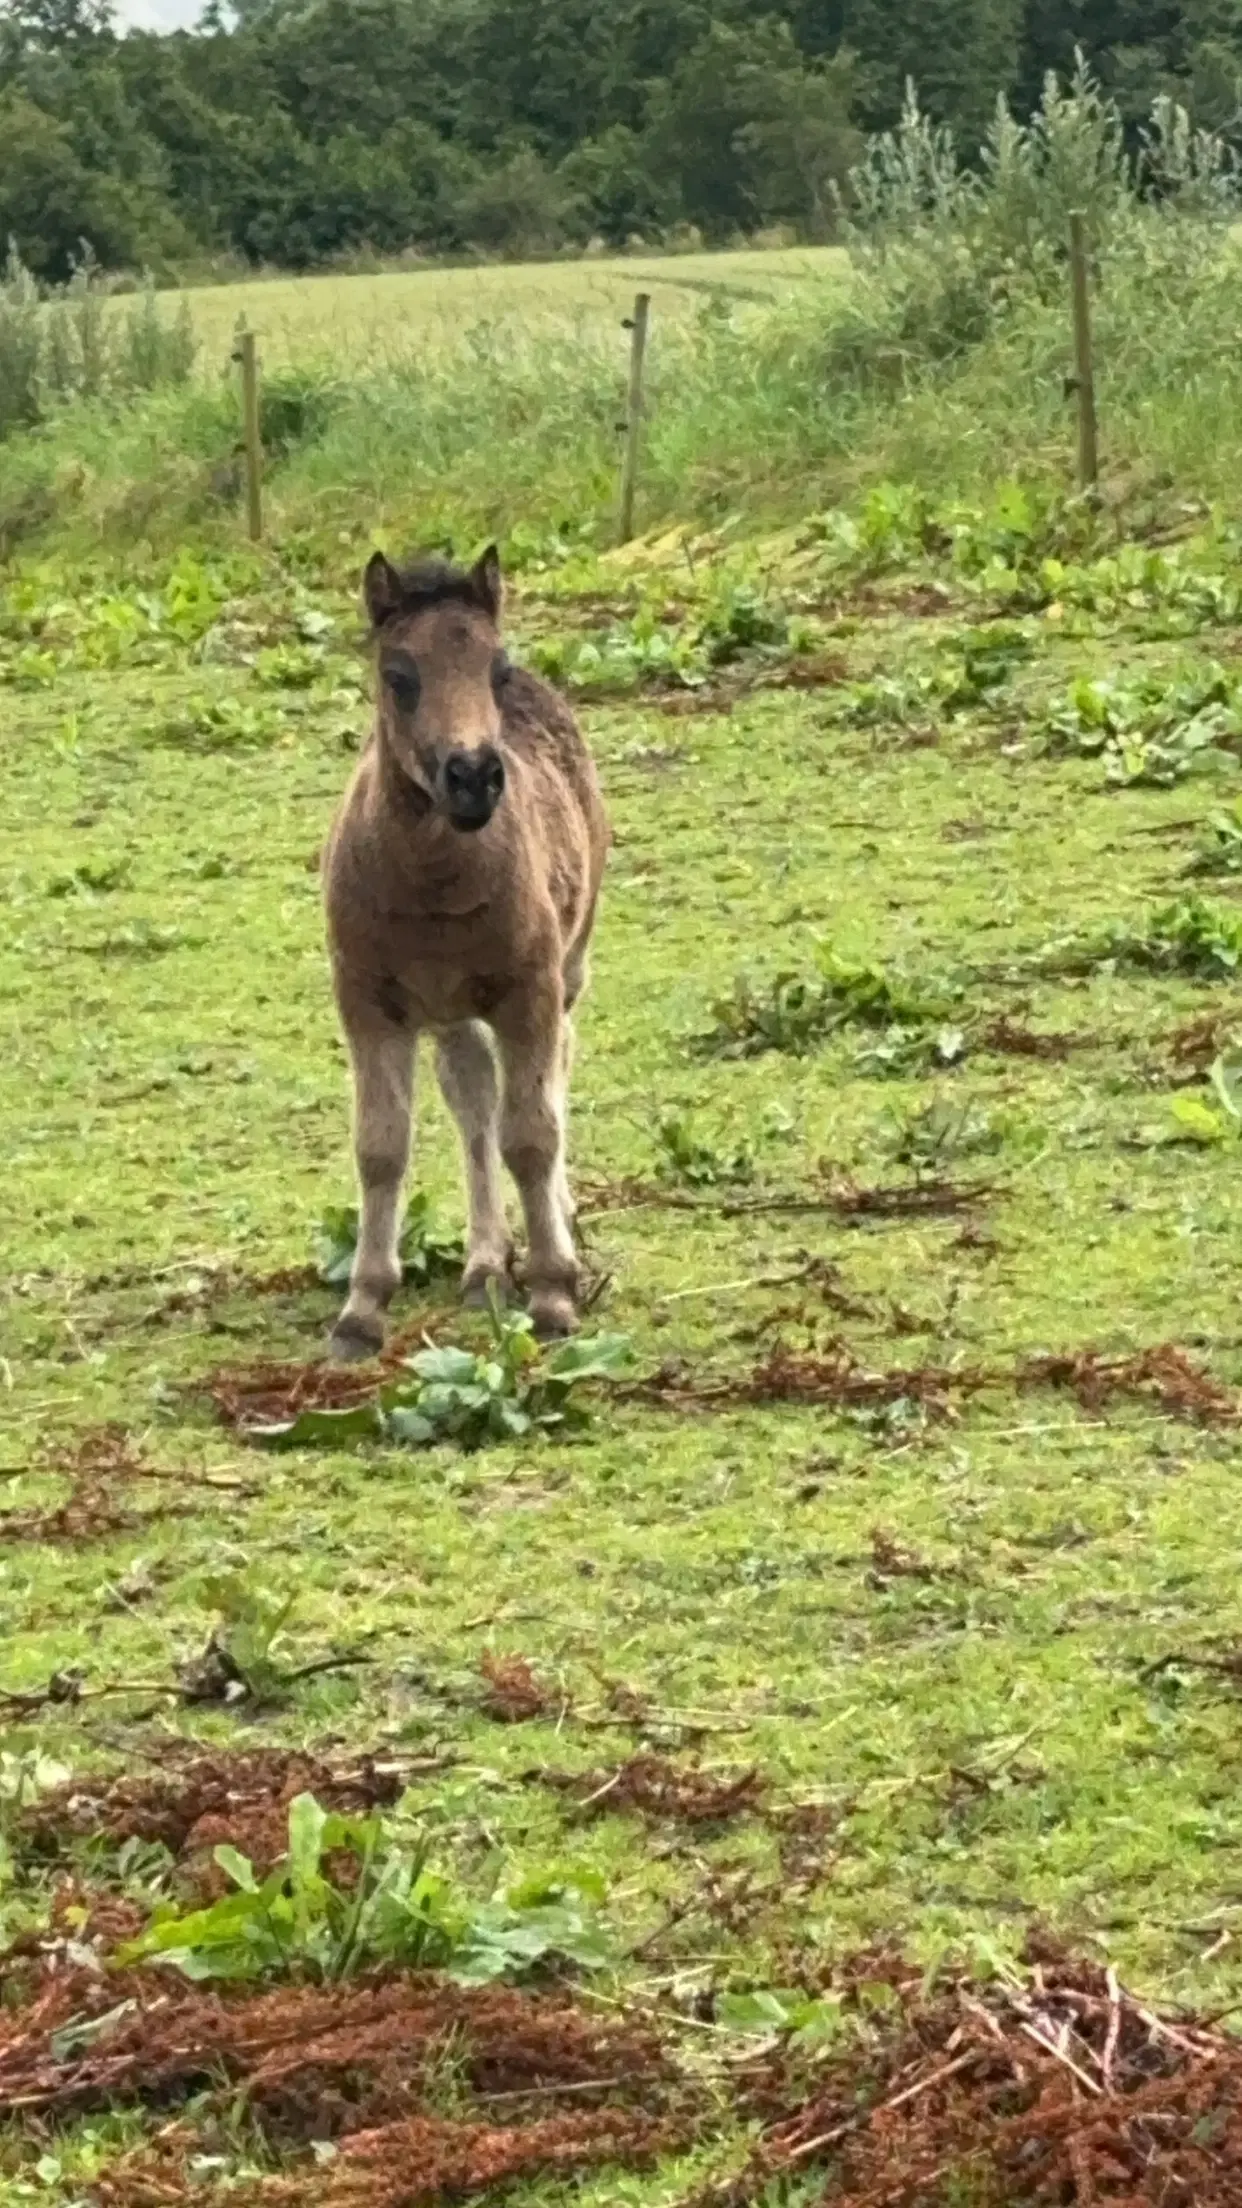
[(157, 15)]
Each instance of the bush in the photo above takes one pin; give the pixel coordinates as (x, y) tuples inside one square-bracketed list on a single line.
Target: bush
[(944, 254), (71, 344), (296, 404), (21, 346)]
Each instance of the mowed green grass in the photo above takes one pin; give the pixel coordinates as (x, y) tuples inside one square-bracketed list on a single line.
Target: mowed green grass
[(174, 1122), (356, 321)]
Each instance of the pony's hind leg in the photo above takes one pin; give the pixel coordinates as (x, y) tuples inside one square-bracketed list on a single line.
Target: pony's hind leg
[(564, 1193), (575, 978), (466, 1064), (531, 1035), (383, 1061)]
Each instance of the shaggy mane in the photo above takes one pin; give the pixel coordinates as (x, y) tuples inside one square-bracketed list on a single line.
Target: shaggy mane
[(426, 581)]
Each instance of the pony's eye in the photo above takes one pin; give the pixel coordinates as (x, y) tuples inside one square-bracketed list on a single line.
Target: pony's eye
[(403, 686), (501, 670)]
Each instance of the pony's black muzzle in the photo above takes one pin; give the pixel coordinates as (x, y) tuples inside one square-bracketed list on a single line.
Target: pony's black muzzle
[(473, 784)]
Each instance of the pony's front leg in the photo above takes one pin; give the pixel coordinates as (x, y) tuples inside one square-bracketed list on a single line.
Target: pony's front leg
[(383, 1059), (467, 1069), (530, 1031)]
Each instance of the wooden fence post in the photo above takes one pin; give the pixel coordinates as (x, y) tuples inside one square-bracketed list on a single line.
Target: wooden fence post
[(248, 356), (1082, 382), (636, 324)]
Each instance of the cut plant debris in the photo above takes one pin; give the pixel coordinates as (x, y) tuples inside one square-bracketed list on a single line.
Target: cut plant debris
[(796, 1012), (471, 1398), (1188, 936)]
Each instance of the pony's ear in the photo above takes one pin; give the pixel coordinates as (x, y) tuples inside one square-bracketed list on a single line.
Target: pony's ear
[(486, 582), (381, 589)]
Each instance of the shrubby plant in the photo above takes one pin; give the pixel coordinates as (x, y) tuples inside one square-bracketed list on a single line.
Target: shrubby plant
[(70, 342)]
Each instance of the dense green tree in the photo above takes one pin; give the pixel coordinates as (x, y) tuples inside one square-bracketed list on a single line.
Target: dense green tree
[(745, 128), (801, 141), (960, 53), (294, 130), (59, 199), (610, 180), (1140, 48)]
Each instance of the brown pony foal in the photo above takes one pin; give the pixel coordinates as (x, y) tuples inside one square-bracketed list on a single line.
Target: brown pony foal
[(460, 881)]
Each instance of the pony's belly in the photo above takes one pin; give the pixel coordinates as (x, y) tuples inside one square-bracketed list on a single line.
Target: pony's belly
[(442, 993)]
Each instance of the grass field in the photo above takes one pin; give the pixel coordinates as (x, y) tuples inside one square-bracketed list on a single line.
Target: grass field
[(356, 320), (952, 1615)]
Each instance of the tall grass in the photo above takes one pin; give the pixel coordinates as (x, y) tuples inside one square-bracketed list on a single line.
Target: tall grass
[(939, 361)]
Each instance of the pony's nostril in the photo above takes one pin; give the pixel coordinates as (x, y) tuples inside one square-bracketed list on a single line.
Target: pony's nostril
[(474, 777)]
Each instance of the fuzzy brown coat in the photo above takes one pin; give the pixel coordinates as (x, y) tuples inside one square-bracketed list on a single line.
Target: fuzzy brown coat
[(461, 880)]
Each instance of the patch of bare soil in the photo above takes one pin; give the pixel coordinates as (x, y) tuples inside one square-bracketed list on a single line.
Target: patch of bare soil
[(1063, 2091)]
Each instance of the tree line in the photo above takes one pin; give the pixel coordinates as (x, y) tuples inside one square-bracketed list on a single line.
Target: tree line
[(295, 131)]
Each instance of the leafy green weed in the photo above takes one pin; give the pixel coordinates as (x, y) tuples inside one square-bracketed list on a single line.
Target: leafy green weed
[(797, 1012), (427, 1253), (1150, 732), (398, 1910), (467, 1397)]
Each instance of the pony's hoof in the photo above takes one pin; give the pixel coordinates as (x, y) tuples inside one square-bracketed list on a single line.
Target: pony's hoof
[(482, 1284), (354, 1339), (553, 1314)]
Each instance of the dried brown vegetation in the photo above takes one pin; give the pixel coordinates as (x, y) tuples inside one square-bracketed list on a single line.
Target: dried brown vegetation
[(315, 2062), (1053, 2089), (422, 2160), (1010, 1039), (267, 1392), (196, 1800), (652, 1787), (356, 2065), (834, 1193), (513, 1694), (100, 1466), (1058, 2092), (1194, 1046), (832, 1375), (1164, 1375)]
